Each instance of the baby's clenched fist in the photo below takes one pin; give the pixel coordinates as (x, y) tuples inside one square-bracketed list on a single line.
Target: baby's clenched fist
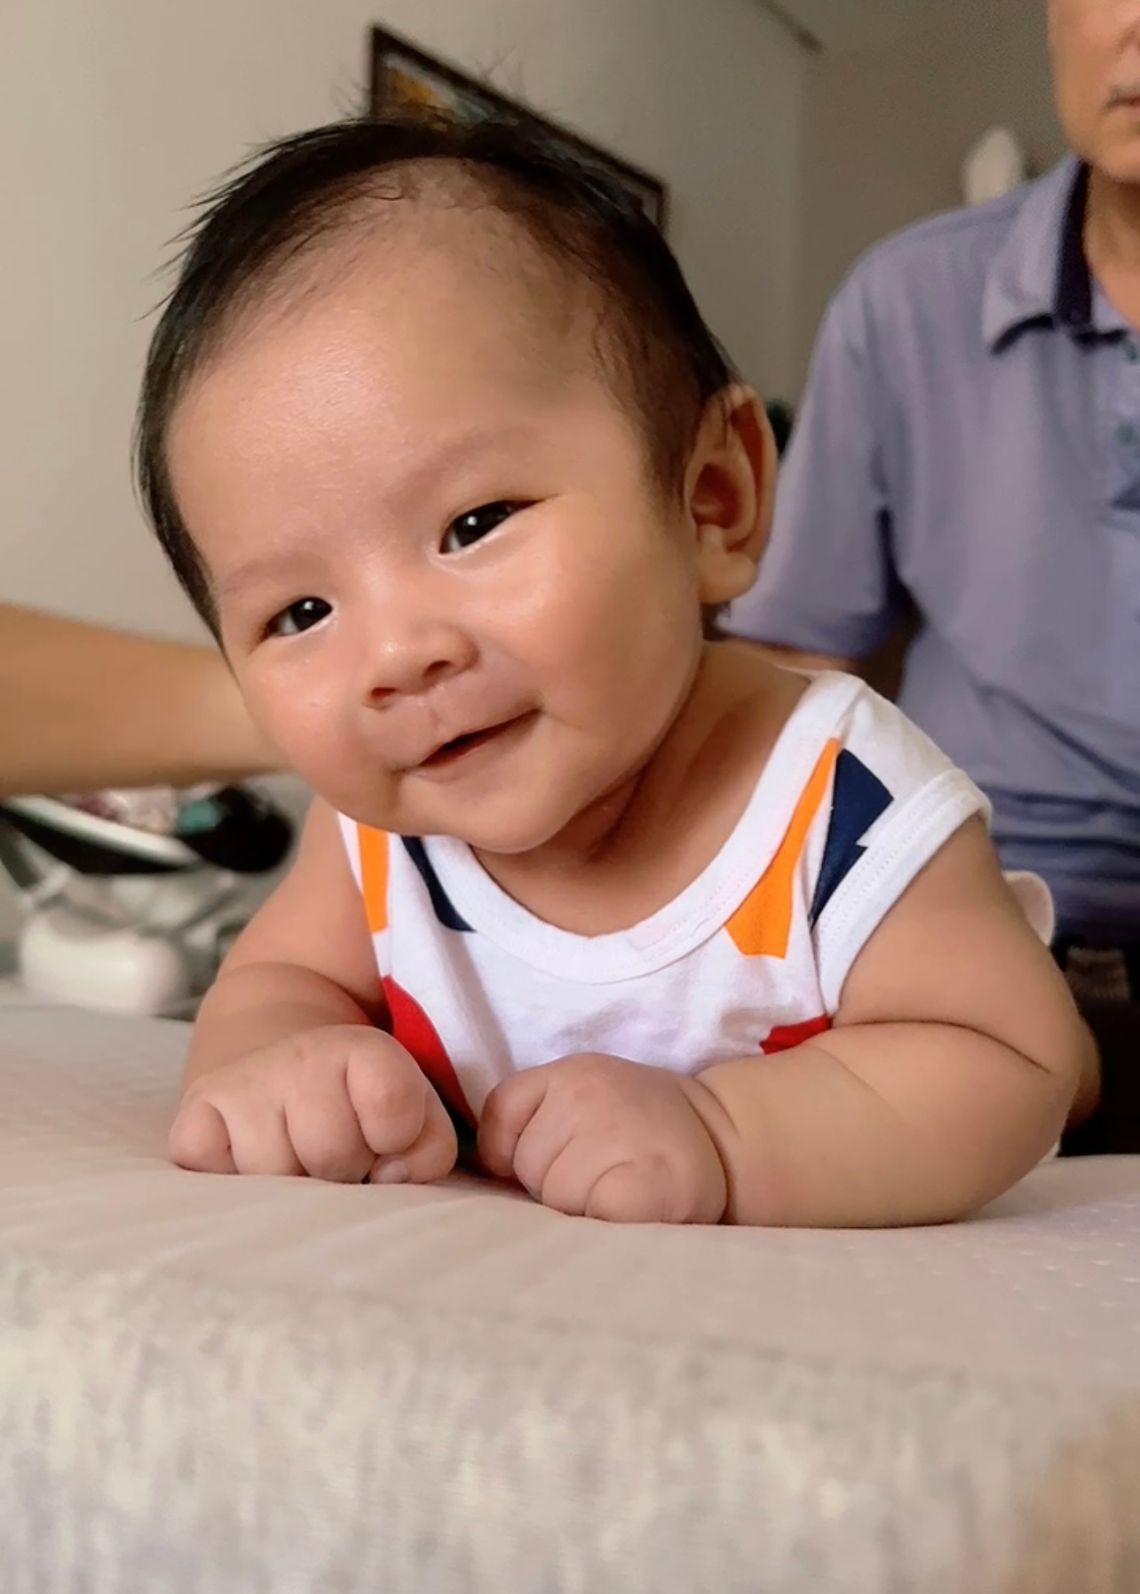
[(344, 1102), (603, 1137)]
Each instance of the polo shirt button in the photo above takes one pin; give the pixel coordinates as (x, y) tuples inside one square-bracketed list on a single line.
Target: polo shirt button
[(1126, 434), (1131, 352)]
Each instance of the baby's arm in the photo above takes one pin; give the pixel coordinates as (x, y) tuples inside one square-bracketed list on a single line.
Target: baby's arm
[(951, 1069), (288, 1071), (955, 1059)]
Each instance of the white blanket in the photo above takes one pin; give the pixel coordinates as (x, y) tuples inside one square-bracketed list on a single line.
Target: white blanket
[(212, 1384)]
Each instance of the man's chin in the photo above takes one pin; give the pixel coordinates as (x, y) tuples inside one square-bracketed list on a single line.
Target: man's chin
[(1121, 163)]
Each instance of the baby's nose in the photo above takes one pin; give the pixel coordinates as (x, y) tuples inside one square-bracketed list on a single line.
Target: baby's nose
[(415, 659)]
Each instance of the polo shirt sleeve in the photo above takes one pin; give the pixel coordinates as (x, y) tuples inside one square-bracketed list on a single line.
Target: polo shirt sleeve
[(827, 582)]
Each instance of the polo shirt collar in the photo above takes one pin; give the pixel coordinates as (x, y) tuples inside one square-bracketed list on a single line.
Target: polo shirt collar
[(1040, 273)]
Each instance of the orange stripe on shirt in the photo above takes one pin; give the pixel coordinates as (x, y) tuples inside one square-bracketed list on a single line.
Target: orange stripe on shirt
[(374, 876), (761, 925)]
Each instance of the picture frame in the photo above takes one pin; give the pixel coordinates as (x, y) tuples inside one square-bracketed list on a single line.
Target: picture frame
[(405, 79)]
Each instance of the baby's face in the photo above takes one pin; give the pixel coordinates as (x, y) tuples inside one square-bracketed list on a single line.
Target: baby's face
[(445, 582)]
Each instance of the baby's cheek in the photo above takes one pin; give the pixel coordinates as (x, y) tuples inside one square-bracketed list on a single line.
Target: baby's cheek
[(314, 747), (294, 705)]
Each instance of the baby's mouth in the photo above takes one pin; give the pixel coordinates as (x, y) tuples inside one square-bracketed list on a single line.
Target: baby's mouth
[(459, 746)]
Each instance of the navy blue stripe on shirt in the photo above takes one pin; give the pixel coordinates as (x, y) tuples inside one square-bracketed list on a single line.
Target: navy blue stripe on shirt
[(858, 798), (442, 904)]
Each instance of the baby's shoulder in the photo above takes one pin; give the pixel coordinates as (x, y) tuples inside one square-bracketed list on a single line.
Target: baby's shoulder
[(845, 774), (838, 717)]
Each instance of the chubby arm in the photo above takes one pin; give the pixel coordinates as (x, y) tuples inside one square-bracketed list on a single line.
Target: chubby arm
[(304, 960), (288, 1072), (953, 1064)]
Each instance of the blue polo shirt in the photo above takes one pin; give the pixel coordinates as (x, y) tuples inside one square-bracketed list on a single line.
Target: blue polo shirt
[(970, 435)]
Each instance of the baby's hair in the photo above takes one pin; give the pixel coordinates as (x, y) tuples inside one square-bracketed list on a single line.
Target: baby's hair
[(314, 188)]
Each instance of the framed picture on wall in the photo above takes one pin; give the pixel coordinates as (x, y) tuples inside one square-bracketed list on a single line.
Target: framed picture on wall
[(405, 79)]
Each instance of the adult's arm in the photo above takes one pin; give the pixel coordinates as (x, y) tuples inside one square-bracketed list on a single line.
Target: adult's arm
[(827, 594), (82, 708)]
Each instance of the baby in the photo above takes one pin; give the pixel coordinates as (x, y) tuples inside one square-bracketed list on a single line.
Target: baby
[(439, 445)]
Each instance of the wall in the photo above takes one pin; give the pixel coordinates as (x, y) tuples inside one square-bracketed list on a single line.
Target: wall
[(114, 112), (886, 131)]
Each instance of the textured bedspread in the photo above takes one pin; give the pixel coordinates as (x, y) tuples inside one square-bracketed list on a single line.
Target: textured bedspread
[(228, 1386)]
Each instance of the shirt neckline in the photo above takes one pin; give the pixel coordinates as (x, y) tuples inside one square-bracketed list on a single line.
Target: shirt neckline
[(1041, 272), (700, 908)]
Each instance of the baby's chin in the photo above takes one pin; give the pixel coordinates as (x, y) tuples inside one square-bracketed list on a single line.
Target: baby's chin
[(501, 837), (569, 811), (510, 827)]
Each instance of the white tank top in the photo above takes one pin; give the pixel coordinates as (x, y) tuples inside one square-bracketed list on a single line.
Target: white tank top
[(748, 959)]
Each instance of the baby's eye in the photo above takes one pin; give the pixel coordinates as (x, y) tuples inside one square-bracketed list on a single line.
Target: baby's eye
[(298, 617), (477, 524)]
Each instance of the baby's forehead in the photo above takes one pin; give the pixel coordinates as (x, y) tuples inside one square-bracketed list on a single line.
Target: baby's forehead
[(416, 327), (425, 305), (440, 255)]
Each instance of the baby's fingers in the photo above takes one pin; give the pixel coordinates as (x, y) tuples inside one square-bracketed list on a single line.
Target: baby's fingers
[(325, 1133), (245, 1137), (389, 1096), (431, 1156), (507, 1113), (199, 1139)]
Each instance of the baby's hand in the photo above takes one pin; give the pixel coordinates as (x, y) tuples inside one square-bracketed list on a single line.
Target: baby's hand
[(601, 1137), (344, 1103)]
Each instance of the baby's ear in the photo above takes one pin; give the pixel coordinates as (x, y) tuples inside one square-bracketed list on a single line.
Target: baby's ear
[(730, 486)]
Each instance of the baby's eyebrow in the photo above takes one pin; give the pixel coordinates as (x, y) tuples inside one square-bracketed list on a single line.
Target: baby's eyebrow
[(449, 456), (262, 567)]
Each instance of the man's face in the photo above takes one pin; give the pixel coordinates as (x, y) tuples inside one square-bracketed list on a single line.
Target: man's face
[(1095, 46)]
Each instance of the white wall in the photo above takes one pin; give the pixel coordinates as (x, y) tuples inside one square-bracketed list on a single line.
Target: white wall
[(114, 112), (886, 131)]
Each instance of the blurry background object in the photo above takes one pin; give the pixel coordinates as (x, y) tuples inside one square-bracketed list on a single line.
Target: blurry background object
[(781, 418), (130, 899), (995, 166), (126, 894), (405, 79)]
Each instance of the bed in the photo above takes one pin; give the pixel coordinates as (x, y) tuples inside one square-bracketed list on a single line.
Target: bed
[(211, 1385)]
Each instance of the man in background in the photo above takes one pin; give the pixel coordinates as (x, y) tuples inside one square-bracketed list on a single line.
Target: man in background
[(969, 449)]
